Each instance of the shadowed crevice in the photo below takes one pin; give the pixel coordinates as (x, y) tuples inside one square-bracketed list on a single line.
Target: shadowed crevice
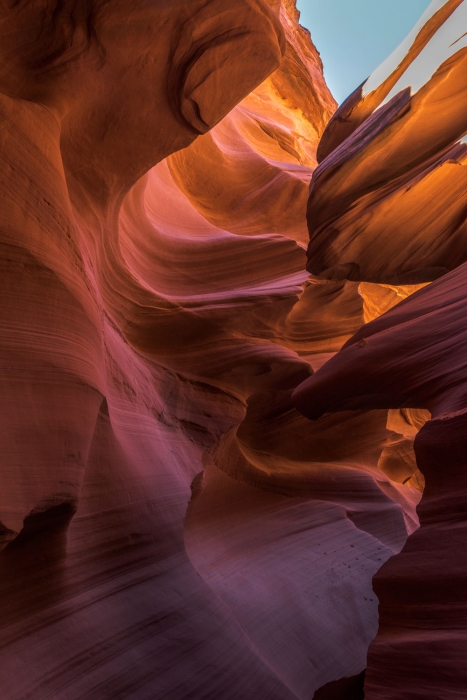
[(343, 689)]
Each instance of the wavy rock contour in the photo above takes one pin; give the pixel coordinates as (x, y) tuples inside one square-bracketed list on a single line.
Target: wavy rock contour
[(411, 358), (172, 526)]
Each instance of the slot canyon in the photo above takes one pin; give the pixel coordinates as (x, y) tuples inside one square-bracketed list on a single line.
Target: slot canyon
[(233, 393)]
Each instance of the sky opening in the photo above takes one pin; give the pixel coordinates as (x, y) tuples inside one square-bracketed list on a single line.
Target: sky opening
[(355, 36)]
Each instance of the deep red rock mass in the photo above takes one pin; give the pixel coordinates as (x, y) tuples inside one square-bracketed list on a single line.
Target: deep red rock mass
[(172, 523)]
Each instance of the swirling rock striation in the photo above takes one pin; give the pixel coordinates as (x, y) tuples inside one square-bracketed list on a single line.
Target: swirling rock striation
[(172, 527), (410, 359)]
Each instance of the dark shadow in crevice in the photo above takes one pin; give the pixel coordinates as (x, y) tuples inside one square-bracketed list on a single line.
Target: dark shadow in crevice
[(46, 527), (32, 565), (343, 689)]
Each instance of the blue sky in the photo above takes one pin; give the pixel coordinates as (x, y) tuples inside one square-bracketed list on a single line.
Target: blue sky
[(355, 36)]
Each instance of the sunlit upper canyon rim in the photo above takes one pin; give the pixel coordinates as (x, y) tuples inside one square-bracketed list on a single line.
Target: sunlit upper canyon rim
[(233, 334)]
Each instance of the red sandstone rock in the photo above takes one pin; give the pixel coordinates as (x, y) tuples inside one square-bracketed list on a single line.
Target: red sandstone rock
[(388, 201), (410, 359), (144, 303), (418, 589), (156, 317), (366, 98)]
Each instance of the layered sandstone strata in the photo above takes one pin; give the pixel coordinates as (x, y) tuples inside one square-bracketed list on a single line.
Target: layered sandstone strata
[(393, 180), (172, 526), (146, 297)]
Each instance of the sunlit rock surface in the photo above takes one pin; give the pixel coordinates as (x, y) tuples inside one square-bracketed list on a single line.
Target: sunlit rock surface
[(387, 206), (388, 201)]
